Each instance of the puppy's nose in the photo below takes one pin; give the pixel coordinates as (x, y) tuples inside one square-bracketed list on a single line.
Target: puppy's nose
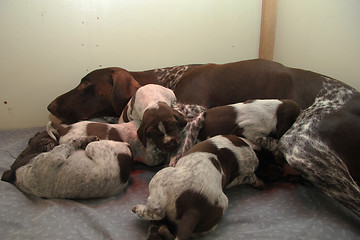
[(171, 143)]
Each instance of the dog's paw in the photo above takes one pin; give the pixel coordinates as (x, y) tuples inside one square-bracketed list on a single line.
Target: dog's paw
[(85, 141), (138, 209)]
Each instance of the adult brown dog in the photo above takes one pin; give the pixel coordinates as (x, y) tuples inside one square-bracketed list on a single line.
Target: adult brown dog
[(321, 145)]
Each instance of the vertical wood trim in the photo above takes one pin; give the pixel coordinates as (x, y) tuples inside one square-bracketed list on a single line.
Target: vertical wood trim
[(267, 30)]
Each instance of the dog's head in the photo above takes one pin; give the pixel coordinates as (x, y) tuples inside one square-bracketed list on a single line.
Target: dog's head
[(103, 92), (40, 143), (163, 126)]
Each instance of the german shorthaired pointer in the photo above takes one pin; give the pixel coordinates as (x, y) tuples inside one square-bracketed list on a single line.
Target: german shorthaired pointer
[(191, 193), (324, 152), (160, 125), (47, 170), (257, 120), (124, 132)]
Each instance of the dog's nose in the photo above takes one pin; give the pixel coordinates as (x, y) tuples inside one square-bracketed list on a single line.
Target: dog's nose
[(52, 107)]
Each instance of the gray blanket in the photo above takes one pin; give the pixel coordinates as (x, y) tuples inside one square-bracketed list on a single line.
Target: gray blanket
[(282, 211)]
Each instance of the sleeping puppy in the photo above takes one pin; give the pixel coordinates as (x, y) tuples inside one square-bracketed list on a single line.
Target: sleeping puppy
[(144, 98), (85, 168), (40, 143), (124, 132), (261, 121), (191, 193), (160, 125)]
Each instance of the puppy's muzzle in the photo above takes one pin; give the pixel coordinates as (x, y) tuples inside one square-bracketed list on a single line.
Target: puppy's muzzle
[(170, 143)]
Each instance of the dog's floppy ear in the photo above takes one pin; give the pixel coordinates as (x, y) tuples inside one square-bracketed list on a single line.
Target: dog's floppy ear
[(287, 114), (124, 87), (141, 132), (180, 118)]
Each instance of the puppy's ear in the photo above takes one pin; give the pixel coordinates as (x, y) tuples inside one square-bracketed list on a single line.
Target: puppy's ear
[(141, 132), (180, 118), (124, 87), (287, 114), (8, 176)]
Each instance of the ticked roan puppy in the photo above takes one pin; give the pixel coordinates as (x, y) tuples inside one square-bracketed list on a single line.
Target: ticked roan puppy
[(191, 194), (261, 121), (82, 168), (122, 132), (160, 125)]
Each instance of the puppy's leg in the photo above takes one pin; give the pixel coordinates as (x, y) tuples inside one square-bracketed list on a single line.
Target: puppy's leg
[(254, 181), (187, 224), (149, 213)]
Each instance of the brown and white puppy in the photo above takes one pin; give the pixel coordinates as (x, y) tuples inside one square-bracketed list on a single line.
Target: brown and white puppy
[(191, 193), (39, 143), (124, 132), (160, 125), (261, 121), (146, 97), (79, 169), (161, 128)]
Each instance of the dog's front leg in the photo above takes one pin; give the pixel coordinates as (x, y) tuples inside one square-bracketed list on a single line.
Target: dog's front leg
[(148, 213)]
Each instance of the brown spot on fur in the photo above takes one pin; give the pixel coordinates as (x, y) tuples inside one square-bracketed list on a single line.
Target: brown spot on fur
[(97, 129), (114, 135), (61, 129), (196, 214), (226, 160), (219, 121), (126, 165)]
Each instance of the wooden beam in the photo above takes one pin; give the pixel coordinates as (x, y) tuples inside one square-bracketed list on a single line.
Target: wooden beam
[(267, 31)]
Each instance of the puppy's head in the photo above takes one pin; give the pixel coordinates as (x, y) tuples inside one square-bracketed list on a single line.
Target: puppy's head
[(163, 126), (40, 143)]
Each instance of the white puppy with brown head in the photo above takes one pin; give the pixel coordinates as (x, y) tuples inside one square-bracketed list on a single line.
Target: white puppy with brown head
[(191, 194), (160, 125)]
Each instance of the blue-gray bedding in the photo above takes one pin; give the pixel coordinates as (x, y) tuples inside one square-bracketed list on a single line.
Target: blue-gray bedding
[(282, 211)]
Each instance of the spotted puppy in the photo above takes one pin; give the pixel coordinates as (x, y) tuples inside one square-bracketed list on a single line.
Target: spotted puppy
[(261, 121), (160, 125), (124, 132), (191, 193), (84, 168)]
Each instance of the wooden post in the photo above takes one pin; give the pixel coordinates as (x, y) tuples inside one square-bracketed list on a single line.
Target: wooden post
[(267, 31)]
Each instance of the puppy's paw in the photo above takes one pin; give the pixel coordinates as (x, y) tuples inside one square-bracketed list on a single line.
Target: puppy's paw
[(138, 209), (85, 141)]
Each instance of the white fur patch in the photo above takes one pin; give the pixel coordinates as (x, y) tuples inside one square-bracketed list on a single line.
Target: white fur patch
[(66, 172)]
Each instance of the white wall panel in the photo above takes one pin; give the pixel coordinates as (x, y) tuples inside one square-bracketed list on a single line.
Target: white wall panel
[(48, 45), (320, 35)]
